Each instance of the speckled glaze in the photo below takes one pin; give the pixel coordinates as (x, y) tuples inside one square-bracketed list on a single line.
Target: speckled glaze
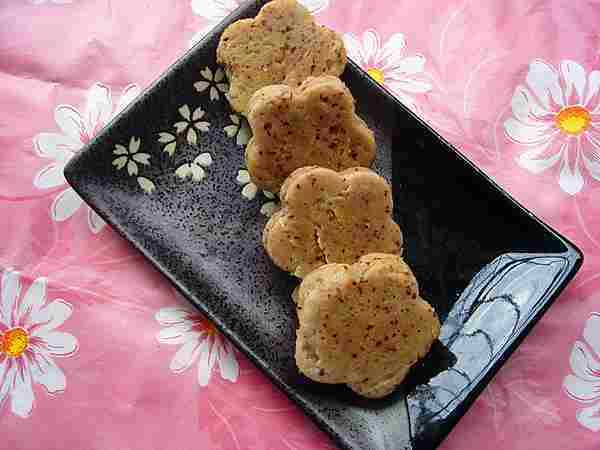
[(488, 267)]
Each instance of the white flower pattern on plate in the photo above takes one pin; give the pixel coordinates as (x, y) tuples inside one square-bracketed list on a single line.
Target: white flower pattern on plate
[(239, 128), (270, 207), (389, 65), (557, 114), (195, 169), (130, 157), (192, 123), (77, 129), (214, 81), (146, 184), (29, 341), (199, 342), (170, 141), (249, 191), (584, 384), (216, 10)]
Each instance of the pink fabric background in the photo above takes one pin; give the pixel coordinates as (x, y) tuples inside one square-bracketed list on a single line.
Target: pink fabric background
[(121, 391)]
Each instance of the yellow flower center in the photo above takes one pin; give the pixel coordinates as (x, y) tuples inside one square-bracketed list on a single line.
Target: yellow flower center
[(376, 74), (205, 326), (14, 342), (573, 120)]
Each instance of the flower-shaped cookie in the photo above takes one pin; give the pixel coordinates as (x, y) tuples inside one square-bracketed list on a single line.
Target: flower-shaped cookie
[(331, 217), (281, 45), (363, 324), (314, 124)]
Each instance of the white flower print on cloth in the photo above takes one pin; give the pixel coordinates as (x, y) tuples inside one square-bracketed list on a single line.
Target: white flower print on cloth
[(556, 113), (29, 340), (249, 191), (195, 169), (216, 82), (200, 343), (216, 10), (130, 157), (239, 128), (403, 74), (77, 129), (584, 384), (192, 123)]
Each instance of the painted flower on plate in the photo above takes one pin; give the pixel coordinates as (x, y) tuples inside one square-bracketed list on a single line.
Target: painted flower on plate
[(583, 385), (249, 191), (130, 157), (29, 342), (389, 65), (556, 114), (196, 169), (213, 82), (239, 128), (170, 142), (76, 130), (199, 343), (192, 123)]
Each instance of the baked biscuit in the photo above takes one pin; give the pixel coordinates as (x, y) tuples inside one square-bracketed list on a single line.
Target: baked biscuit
[(331, 217), (314, 124), (363, 324), (281, 45)]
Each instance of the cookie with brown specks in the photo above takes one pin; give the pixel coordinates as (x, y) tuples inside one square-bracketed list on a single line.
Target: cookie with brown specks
[(363, 324), (314, 124), (331, 217), (281, 45)]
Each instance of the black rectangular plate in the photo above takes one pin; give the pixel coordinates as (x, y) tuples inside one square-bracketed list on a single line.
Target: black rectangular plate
[(489, 267)]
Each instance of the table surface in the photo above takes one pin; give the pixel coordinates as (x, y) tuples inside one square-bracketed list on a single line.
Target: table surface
[(97, 351)]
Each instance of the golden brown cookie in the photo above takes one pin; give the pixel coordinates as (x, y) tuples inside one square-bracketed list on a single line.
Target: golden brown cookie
[(331, 217), (363, 324), (281, 45), (314, 124)]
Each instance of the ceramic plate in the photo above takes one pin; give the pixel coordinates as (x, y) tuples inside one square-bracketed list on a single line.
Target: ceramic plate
[(168, 174)]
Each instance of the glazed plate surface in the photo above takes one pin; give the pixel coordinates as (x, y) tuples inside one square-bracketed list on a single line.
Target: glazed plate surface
[(168, 175)]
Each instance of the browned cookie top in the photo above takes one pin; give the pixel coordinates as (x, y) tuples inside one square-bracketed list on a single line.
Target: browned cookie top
[(281, 45), (363, 324), (314, 124), (331, 217)]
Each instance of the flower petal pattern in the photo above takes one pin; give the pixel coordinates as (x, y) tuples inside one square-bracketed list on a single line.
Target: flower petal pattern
[(28, 359), (49, 177), (95, 222), (65, 205), (553, 114), (49, 375), (200, 345), (583, 385), (147, 185), (21, 395), (77, 129), (388, 64), (11, 289)]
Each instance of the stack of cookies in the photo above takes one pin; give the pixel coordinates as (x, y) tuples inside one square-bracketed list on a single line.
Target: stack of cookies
[(362, 320)]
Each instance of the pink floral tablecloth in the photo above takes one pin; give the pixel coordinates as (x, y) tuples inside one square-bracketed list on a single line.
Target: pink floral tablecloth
[(96, 349)]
